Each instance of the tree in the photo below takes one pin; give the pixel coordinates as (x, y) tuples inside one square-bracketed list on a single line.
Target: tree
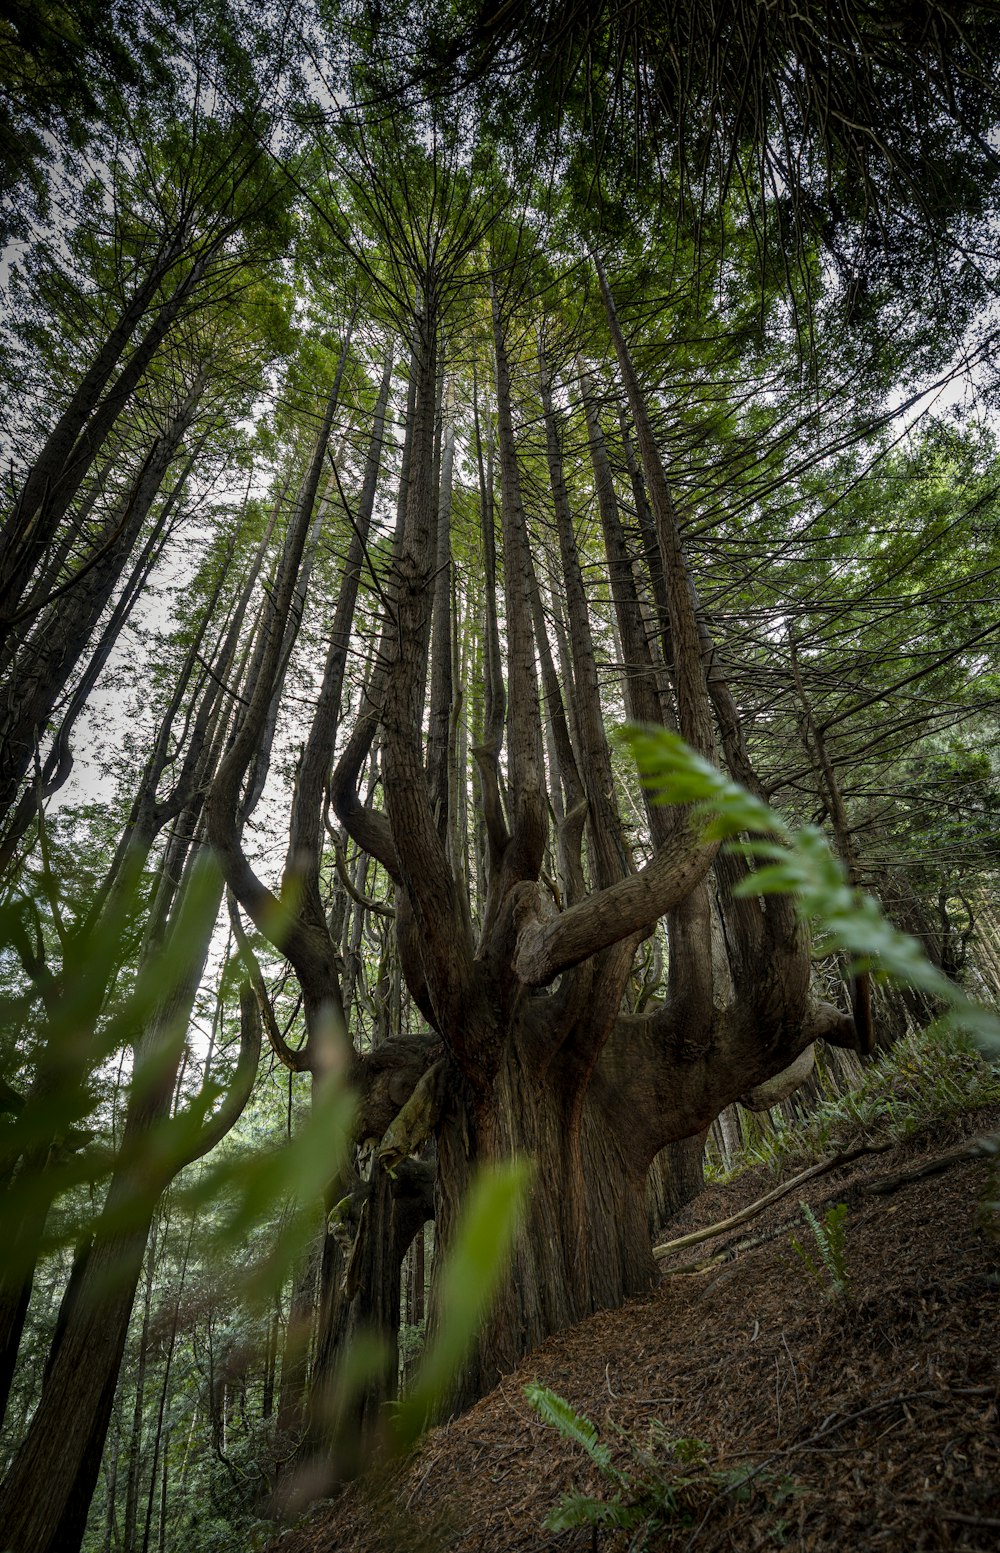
[(525, 1068), (49, 1509), (63, 64), (597, 502)]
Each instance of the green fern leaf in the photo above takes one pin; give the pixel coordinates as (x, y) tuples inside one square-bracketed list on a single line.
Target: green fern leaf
[(555, 1410), (580, 1510)]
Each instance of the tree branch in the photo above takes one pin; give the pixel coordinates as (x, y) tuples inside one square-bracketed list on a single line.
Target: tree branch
[(238, 1093), (713, 1231), (380, 908), (294, 1061), (547, 945)]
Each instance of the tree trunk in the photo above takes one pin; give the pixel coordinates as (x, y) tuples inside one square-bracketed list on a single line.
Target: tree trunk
[(49, 658), (584, 1245), (45, 1497), (52, 491), (135, 1454), (676, 1177), (298, 1338)]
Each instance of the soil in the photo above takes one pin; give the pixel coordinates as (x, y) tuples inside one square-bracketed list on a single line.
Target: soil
[(866, 1420)]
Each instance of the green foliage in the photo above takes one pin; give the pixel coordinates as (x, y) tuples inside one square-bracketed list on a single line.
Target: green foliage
[(922, 1080), (631, 1503), (666, 1484), (308, 210), (830, 1236), (56, 1131), (575, 1510), (476, 1261), (62, 62), (57, 1081), (800, 863), (556, 1411), (247, 1186), (412, 1337)]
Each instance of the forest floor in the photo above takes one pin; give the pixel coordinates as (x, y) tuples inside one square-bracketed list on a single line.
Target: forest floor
[(780, 1414)]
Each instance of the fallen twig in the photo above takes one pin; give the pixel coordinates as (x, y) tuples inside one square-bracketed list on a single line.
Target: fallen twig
[(751, 1212), (964, 1154)]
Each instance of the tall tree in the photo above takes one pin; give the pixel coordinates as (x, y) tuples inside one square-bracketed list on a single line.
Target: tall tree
[(654, 347)]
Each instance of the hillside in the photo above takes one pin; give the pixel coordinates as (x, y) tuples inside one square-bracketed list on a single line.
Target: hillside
[(865, 1421)]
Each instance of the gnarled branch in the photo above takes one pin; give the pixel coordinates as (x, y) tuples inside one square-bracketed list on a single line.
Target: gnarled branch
[(547, 945)]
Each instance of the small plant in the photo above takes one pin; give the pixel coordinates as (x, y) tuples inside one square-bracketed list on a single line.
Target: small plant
[(670, 1485), (830, 1236), (620, 1510)]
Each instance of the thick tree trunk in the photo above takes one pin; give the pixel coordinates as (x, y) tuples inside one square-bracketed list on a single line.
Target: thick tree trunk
[(46, 1496), (676, 1177), (295, 1353), (15, 1297), (584, 1244)]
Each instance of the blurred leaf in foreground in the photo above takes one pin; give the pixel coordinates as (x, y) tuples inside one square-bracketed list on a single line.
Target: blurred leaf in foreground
[(469, 1278), (800, 863)]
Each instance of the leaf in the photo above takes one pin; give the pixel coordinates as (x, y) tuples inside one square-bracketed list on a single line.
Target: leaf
[(555, 1410), (472, 1270), (678, 774), (801, 863), (249, 1188), (580, 1510)]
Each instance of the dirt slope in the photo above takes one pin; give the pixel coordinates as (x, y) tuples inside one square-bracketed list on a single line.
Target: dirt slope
[(871, 1422)]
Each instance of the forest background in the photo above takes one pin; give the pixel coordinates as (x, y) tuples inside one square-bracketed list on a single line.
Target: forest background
[(395, 401)]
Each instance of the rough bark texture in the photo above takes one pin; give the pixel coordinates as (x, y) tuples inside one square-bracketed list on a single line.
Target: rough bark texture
[(543, 1061)]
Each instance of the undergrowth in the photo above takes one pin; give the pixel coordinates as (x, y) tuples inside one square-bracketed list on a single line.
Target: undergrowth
[(665, 1482), (927, 1077), (828, 1268)]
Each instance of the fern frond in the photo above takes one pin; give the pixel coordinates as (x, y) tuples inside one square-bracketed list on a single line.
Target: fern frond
[(580, 1510), (555, 1410), (831, 1244)]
